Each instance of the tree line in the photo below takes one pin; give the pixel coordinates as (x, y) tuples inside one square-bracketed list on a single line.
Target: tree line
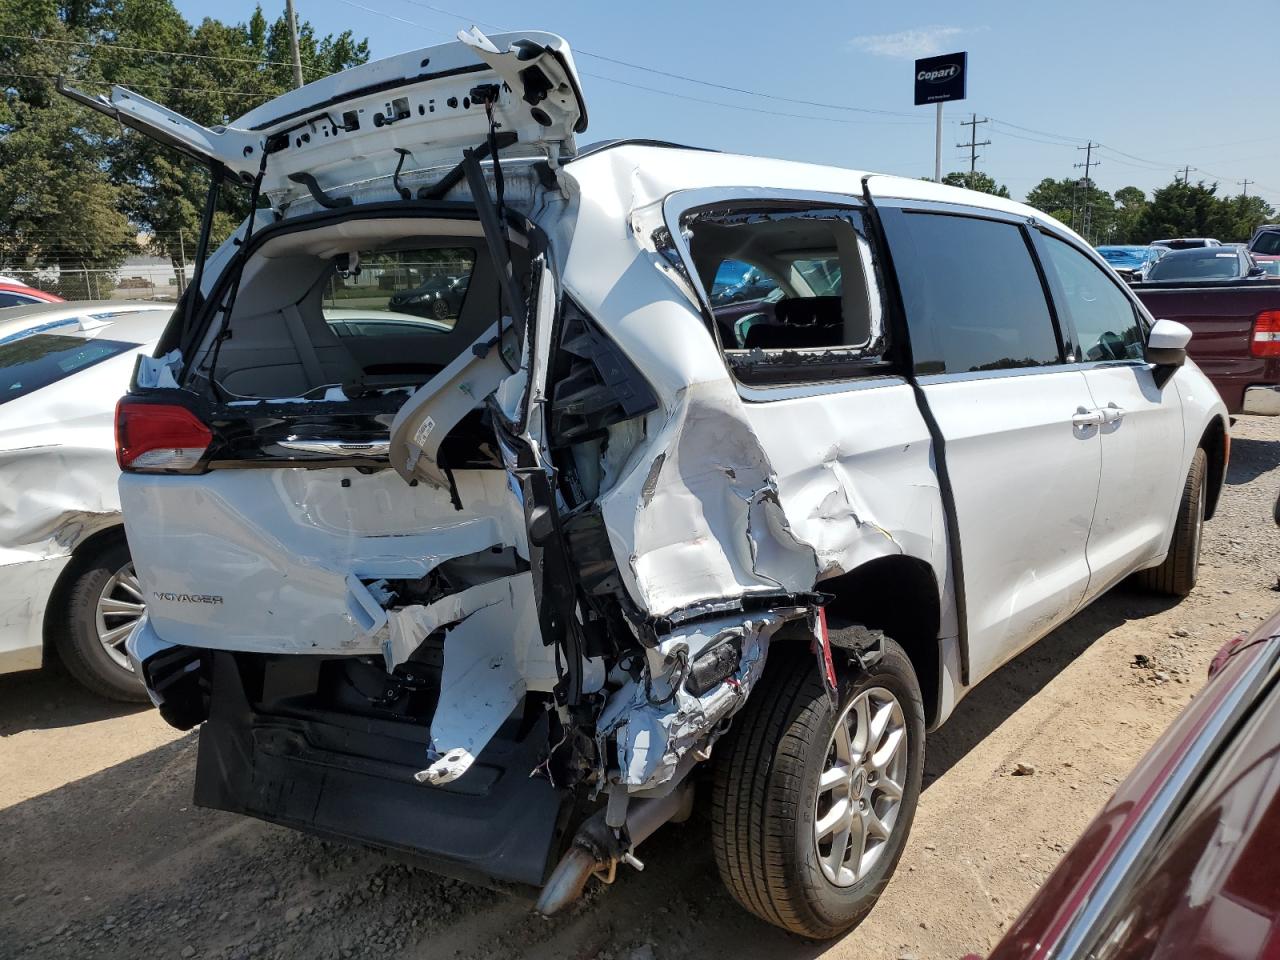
[(75, 190), (1178, 209)]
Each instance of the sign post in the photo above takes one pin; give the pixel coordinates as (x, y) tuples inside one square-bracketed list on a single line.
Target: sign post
[(939, 79)]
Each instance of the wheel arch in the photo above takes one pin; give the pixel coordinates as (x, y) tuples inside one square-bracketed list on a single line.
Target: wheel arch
[(1214, 442), (80, 554), (898, 594)]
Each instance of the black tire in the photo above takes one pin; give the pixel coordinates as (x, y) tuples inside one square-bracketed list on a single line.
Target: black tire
[(765, 792), (73, 622), (1176, 576)]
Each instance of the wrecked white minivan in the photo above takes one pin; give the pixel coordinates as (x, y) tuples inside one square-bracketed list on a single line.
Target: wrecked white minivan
[(721, 475)]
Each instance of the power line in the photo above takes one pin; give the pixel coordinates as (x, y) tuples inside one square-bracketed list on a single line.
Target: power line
[(164, 53), (142, 86), (1087, 183)]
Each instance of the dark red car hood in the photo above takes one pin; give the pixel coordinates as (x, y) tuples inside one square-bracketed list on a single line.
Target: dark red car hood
[(1206, 882)]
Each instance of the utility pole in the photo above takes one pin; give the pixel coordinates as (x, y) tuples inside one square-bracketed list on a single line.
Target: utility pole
[(182, 267), (973, 144), (1086, 221), (1185, 179), (1244, 185), (293, 42)]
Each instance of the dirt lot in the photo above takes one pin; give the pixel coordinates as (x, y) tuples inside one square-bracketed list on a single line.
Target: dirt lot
[(102, 855)]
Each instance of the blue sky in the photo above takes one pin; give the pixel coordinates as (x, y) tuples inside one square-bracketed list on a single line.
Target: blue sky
[(1153, 84)]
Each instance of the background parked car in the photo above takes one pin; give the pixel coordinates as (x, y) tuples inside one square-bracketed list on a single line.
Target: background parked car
[(1187, 243), (1132, 261), (1181, 862), (1266, 240), (440, 297), (1233, 308), (66, 578), (20, 295)]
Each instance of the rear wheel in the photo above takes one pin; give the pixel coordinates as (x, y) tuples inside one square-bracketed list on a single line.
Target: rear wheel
[(812, 802), (99, 609), (1177, 575)]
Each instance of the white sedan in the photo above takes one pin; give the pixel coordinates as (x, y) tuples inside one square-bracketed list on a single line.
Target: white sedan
[(66, 577)]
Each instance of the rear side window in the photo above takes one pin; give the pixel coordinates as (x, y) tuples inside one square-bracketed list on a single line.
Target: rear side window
[(15, 299), (1267, 244), (973, 295), (42, 359), (789, 287), (1105, 320), (398, 292)]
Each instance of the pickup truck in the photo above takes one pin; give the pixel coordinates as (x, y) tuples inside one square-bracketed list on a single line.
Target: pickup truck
[(510, 595), (1233, 310)]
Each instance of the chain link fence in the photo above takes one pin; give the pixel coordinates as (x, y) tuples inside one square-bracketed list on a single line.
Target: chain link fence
[(142, 279)]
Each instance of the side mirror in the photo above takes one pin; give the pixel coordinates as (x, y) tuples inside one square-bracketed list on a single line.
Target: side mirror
[(1167, 344), (1257, 271)]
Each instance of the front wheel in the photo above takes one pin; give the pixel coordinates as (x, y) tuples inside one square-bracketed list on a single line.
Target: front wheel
[(1177, 575), (812, 801)]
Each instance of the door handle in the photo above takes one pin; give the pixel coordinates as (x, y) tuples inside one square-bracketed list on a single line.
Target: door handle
[(1112, 413), (1087, 418), (374, 449)]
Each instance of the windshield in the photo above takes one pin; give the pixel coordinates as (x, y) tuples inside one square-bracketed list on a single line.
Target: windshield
[(1267, 244), (1128, 257), (1217, 266), (36, 361)]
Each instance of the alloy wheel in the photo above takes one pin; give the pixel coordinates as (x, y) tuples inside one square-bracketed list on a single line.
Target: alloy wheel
[(120, 605), (860, 787)]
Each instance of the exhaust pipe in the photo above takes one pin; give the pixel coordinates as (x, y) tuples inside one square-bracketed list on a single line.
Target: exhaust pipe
[(595, 848)]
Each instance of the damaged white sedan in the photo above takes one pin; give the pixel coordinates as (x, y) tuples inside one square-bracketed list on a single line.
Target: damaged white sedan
[(497, 590)]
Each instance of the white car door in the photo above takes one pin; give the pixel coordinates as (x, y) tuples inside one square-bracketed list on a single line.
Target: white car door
[(1021, 438), (1142, 472)]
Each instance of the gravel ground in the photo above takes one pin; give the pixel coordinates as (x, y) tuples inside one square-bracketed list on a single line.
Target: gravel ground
[(102, 854)]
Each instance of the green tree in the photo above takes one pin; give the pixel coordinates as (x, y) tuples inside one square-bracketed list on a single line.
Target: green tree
[(1239, 216), (1182, 210), (1131, 203), (1080, 204), (977, 180), (57, 207), (68, 175)]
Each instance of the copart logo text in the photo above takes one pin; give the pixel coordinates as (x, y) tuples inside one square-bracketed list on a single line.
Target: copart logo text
[(941, 75)]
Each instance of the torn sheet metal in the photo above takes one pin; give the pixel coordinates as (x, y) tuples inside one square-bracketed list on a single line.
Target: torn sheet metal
[(656, 721), (697, 516), (493, 654)]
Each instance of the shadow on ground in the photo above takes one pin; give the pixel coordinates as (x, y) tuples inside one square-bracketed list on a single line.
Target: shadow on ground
[(121, 864), (49, 698)]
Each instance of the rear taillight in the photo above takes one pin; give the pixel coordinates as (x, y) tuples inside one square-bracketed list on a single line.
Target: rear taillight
[(1265, 341), (158, 436)]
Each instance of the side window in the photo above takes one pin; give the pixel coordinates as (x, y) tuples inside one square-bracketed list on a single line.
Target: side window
[(1103, 316), (973, 295), (15, 300), (788, 287)]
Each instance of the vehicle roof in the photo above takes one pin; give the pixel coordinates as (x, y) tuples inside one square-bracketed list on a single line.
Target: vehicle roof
[(17, 286), (667, 168), (1203, 253), (138, 321)]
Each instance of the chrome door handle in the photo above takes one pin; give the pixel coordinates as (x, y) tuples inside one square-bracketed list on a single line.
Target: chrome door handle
[(373, 449), (1112, 413), (1087, 418)]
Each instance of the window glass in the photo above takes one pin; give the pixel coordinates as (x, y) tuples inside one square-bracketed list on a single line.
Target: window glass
[(1267, 244), (1207, 263), (398, 292), (15, 299), (777, 282), (37, 361), (1103, 317), (973, 296)]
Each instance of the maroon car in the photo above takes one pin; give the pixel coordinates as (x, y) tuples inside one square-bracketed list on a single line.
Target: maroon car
[(1233, 309), (1184, 860)]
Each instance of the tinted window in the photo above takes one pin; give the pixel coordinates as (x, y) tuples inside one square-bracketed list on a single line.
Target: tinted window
[(1103, 316), (973, 296), (1209, 264), (1267, 244), (15, 300), (36, 361), (401, 285)]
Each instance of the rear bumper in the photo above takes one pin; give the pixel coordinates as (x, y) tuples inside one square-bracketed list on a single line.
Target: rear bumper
[(351, 778), (1262, 400)]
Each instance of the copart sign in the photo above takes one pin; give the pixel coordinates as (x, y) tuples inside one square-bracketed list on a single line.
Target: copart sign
[(939, 79)]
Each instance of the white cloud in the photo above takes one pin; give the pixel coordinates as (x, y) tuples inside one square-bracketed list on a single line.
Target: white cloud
[(910, 44)]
